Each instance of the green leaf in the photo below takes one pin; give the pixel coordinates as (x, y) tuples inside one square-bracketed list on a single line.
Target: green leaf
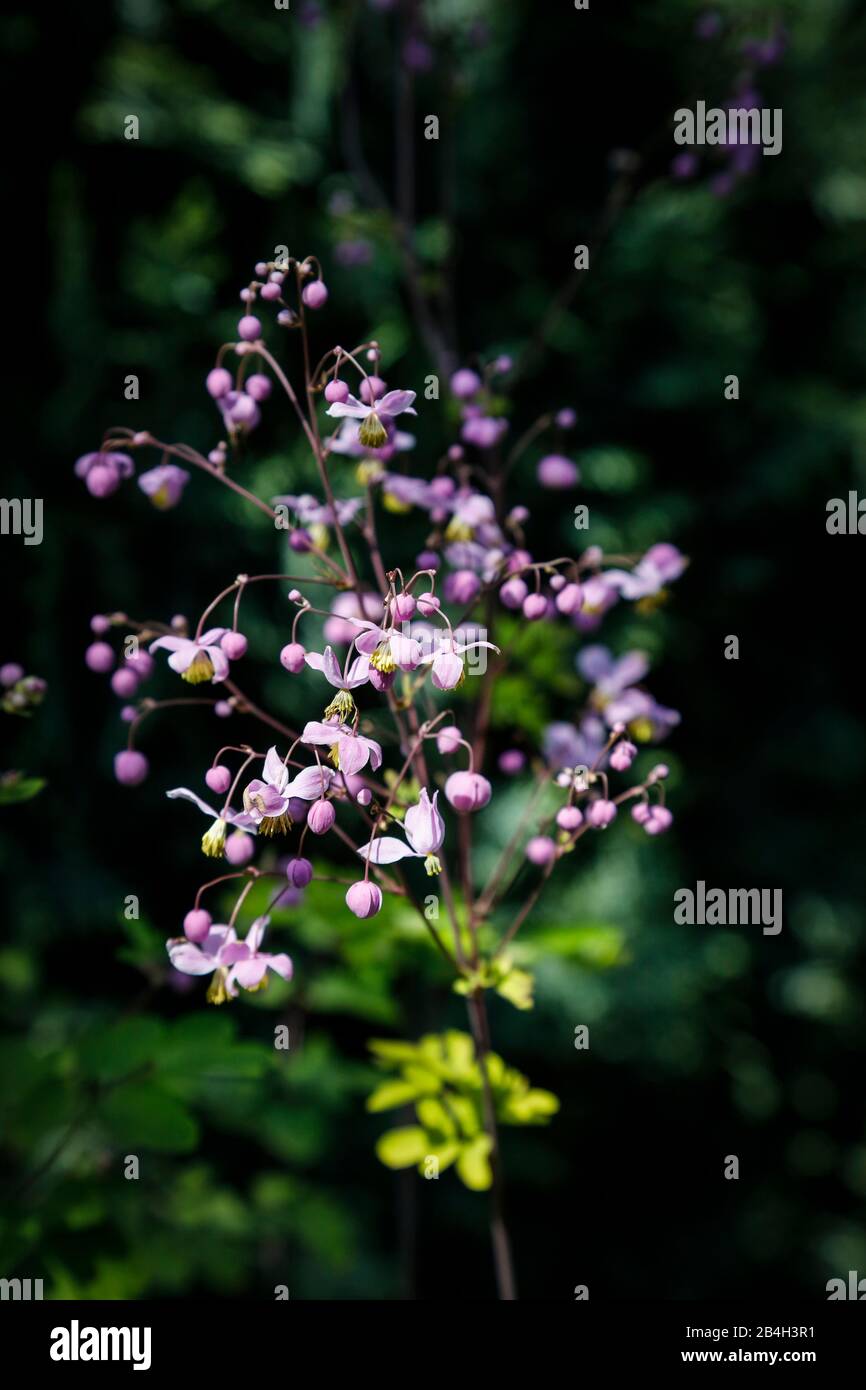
[(596, 945), (473, 1164), (142, 1114), (402, 1148), (391, 1094), (435, 1118), (20, 789), (517, 987), (120, 1049), (533, 1107)]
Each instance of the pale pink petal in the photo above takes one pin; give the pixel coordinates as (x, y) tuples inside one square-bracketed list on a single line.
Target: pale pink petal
[(386, 850)]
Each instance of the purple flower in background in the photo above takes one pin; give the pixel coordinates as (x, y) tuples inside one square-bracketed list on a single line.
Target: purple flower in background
[(660, 565), (377, 419), (102, 473), (248, 965), (164, 485)]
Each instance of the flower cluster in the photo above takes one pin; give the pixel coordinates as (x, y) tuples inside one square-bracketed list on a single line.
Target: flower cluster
[(379, 770)]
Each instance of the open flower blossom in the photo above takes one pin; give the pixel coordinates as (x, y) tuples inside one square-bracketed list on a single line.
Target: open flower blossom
[(196, 660), (447, 669), (267, 800), (230, 961), (377, 419), (354, 673), (214, 839), (425, 835), (164, 485), (311, 512), (249, 965), (346, 441), (349, 752), (660, 565)]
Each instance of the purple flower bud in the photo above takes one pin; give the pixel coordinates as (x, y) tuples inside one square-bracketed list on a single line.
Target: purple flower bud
[(234, 644), (448, 739), (570, 599), (600, 813), (299, 872), (315, 294), (124, 683), (534, 607), (239, 848), (218, 382), (364, 796), (659, 772), (372, 388), (566, 419), (462, 587), (321, 816), (102, 480), (364, 898), (513, 592), (292, 657), (540, 850), (658, 821), (556, 471), (569, 818), (640, 812), (11, 673), (249, 328), (259, 386), (336, 392), (428, 603), (219, 779), (128, 713), (465, 383), (512, 761), (270, 292), (130, 767), (196, 924), (300, 540), (623, 755), (468, 791), (99, 624), (244, 411), (99, 657), (222, 709), (403, 606)]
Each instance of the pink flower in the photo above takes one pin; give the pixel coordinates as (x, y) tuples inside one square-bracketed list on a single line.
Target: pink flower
[(349, 751), (164, 485), (377, 420), (425, 835), (248, 965), (266, 802), (468, 791), (195, 661), (213, 842), (355, 673)]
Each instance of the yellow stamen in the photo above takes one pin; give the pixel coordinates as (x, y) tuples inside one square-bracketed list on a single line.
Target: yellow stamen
[(213, 841), (216, 990), (383, 659), (369, 471), (275, 825), (343, 705), (372, 433), (200, 669), (395, 505), (458, 530), (432, 865), (641, 729)]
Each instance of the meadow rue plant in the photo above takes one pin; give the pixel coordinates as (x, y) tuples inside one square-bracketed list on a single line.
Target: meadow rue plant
[(389, 664)]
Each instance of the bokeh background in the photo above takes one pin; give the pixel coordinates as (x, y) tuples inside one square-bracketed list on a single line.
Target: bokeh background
[(261, 127)]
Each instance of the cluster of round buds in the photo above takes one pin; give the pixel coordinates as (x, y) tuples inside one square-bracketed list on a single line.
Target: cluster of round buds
[(21, 693), (128, 671), (566, 598), (239, 402)]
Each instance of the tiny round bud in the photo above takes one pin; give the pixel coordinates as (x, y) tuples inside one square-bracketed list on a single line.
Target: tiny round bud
[(259, 386), (364, 796), (403, 606), (99, 657), (196, 924), (600, 813), (270, 291), (448, 739), (513, 592), (364, 899), (540, 850), (569, 818), (234, 644), (336, 392), (658, 821), (222, 709), (468, 791), (534, 607), (99, 624), (300, 540), (640, 812), (249, 328), (570, 599), (12, 672), (315, 295), (557, 472), (124, 683), (292, 657), (218, 382), (299, 872), (465, 383), (321, 816), (372, 387), (240, 848), (219, 779), (512, 761), (130, 767)]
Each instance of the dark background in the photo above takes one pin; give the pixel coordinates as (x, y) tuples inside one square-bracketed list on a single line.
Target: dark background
[(705, 1042)]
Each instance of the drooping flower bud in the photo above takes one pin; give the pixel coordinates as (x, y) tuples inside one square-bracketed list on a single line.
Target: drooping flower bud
[(468, 791)]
